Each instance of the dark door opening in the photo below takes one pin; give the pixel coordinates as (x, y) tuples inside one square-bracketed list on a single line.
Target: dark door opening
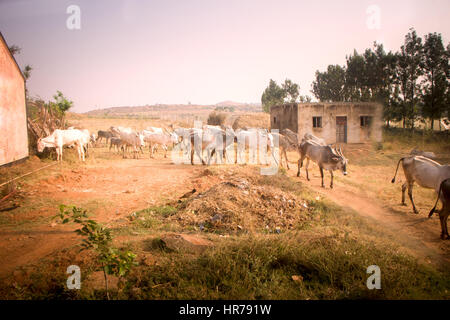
[(341, 129)]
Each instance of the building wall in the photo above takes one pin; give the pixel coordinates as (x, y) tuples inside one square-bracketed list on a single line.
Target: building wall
[(284, 117), (13, 125), (329, 112)]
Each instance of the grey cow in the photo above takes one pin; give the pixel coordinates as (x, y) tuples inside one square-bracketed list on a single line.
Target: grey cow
[(426, 172), (325, 156)]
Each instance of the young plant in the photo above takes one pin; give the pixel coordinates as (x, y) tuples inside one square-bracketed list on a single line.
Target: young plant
[(113, 261)]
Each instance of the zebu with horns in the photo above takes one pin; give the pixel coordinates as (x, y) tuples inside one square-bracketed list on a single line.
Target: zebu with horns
[(325, 156)]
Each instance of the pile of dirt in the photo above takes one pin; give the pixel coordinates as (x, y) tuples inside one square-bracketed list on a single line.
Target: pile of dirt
[(252, 120), (238, 205)]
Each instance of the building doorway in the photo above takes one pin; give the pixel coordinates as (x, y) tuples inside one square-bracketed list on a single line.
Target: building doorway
[(341, 129)]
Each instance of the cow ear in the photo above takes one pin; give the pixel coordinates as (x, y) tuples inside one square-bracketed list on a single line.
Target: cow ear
[(335, 159)]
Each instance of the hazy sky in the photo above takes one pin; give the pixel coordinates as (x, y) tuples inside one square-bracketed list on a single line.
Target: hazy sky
[(133, 52)]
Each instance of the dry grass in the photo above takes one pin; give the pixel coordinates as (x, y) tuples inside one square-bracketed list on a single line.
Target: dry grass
[(253, 120)]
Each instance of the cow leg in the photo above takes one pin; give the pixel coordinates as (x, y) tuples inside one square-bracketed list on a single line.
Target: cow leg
[(446, 226), (403, 194), (285, 157), (200, 152), (192, 156), (300, 164), (82, 152), (306, 168), (410, 188), (321, 174), (332, 176), (211, 155), (443, 216), (444, 232)]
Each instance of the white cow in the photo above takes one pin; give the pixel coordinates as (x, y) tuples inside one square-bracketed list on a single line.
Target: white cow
[(59, 138), (426, 172), (155, 129), (129, 138), (155, 138)]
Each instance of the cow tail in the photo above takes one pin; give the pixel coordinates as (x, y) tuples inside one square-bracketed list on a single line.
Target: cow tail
[(434, 208), (393, 179)]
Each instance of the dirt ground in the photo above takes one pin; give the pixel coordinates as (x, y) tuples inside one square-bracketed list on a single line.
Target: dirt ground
[(112, 188)]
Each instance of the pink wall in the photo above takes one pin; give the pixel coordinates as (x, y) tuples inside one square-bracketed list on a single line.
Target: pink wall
[(13, 127)]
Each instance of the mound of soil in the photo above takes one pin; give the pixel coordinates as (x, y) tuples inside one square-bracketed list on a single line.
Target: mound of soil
[(238, 205), (253, 120)]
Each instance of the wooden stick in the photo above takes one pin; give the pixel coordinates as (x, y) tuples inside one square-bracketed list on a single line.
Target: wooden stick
[(27, 174), (8, 195)]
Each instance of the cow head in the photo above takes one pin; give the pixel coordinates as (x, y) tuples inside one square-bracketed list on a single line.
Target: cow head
[(174, 138), (40, 145), (340, 161)]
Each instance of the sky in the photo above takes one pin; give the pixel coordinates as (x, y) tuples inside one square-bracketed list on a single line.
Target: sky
[(133, 52)]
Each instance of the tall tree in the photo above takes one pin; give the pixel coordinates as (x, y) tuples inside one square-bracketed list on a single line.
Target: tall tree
[(436, 73), (330, 85), (413, 49), (292, 91), (354, 77), (272, 95)]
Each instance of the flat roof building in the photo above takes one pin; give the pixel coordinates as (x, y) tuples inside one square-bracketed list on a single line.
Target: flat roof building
[(343, 122)]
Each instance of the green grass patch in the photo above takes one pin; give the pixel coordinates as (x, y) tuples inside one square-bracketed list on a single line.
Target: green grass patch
[(327, 267)]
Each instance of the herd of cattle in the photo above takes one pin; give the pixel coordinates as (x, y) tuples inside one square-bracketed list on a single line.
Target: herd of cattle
[(215, 140)]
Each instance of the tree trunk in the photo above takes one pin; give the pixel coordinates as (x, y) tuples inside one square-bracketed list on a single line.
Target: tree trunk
[(106, 283)]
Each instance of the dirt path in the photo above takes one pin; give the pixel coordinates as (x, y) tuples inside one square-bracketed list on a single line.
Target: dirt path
[(415, 232)]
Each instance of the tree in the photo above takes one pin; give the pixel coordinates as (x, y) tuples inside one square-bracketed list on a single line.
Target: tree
[(60, 106), (27, 72), (436, 73), (330, 85), (292, 91), (111, 260), (15, 49), (354, 77), (272, 95), (62, 103), (305, 98), (413, 51)]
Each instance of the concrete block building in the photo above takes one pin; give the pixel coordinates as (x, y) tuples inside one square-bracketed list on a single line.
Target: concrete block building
[(353, 122)]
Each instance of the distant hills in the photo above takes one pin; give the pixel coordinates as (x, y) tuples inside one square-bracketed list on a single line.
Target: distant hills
[(176, 108)]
